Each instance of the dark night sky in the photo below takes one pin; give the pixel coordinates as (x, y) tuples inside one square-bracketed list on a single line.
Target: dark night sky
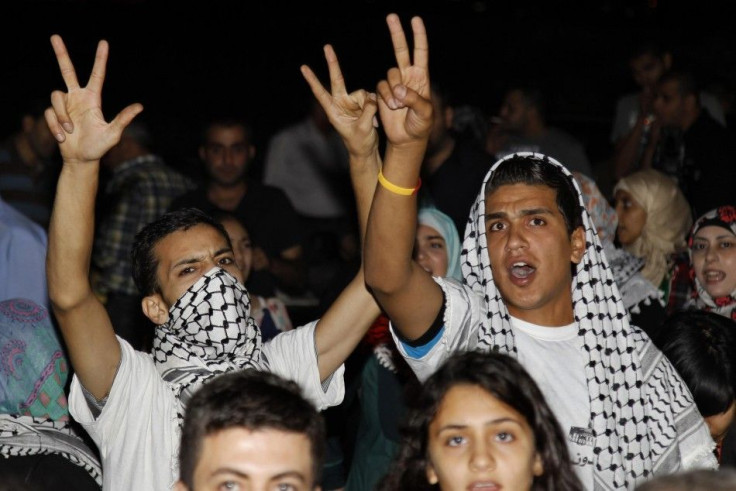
[(183, 60)]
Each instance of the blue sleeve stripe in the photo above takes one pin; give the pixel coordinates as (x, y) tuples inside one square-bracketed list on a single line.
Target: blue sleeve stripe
[(417, 352)]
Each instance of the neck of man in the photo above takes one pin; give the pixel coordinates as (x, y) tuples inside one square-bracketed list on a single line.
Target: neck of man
[(558, 315), (437, 156), (227, 197)]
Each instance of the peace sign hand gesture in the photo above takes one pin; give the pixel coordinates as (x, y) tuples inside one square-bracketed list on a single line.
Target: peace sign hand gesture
[(76, 118), (404, 97), (352, 114)]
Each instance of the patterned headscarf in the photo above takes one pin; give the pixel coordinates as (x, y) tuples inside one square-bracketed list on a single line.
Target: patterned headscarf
[(668, 220), (642, 414), (34, 418), (209, 331), (432, 217), (724, 217)]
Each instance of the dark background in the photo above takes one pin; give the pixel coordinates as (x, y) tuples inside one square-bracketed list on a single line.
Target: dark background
[(185, 60)]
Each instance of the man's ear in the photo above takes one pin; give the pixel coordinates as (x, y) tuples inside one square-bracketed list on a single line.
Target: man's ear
[(577, 241), (155, 309), (201, 153), (180, 486), (251, 152)]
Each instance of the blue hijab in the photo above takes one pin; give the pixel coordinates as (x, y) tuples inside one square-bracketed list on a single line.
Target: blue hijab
[(434, 218)]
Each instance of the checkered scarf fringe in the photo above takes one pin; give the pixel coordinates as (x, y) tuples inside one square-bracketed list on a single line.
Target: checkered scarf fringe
[(637, 416), (210, 331), (27, 435)]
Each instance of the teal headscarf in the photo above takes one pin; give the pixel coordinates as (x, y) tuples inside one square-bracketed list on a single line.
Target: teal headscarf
[(432, 217)]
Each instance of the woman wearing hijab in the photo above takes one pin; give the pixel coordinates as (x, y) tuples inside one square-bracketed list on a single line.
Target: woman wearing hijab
[(385, 374), (644, 302), (712, 246), (653, 221)]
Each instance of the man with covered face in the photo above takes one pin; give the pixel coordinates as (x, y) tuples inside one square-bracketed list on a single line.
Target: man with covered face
[(132, 403)]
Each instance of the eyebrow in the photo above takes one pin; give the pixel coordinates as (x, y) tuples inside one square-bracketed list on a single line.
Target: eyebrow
[(432, 237), (718, 237), (229, 470), (197, 259), (523, 213), (457, 426)]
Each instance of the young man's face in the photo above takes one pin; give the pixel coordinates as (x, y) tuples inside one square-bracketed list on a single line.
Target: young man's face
[(226, 153), (530, 253), (185, 255), (514, 111), (669, 104), (238, 459), (646, 70)]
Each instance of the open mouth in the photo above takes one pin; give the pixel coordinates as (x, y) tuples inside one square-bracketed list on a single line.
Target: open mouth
[(713, 276), (521, 270), (484, 486)]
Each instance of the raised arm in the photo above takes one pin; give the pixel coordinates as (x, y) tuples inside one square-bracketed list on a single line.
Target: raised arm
[(76, 120), (352, 114), (406, 292)]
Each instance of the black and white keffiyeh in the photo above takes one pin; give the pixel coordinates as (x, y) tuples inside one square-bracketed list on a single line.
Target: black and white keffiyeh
[(643, 416), (209, 332)]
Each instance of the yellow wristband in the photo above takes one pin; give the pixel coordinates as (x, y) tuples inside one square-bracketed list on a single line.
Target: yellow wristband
[(397, 189)]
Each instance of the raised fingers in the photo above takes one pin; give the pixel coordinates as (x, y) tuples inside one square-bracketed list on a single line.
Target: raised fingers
[(54, 125), (337, 81), (97, 77), (59, 107), (124, 117), (320, 93), (421, 46), (401, 48), (65, 63)]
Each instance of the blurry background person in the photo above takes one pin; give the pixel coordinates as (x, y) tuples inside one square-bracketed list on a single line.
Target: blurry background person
[(702, 348), (653, 221)]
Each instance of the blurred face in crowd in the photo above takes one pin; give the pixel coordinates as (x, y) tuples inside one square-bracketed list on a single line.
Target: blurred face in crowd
[(39, 136), (514, 111), (631, 217), (184, 257), (669, 105), (226, 153), (239, 459), (714, 260), (647, 68), (530, 251), (242, 247), (430, 251), (477, 441)]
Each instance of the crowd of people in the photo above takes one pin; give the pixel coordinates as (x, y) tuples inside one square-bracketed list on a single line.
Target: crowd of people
[(488, 312)]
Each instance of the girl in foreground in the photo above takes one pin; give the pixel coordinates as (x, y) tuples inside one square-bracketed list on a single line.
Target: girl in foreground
[(481, 422)]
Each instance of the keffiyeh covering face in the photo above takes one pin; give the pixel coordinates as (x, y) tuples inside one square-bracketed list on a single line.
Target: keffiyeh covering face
[(434, 218), (723, 217), (209, 331), (642, 415)]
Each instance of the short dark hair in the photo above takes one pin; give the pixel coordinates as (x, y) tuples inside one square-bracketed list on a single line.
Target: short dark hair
[(702, 347), (652, 47), (505, 379), (144, 259), (252, 400), (536, 171), (686, 83), (533, 97), (226, 122)]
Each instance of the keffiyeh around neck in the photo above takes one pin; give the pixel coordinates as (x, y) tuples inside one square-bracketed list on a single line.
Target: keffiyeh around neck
[(724, 217), (636, 433), (209, 331)]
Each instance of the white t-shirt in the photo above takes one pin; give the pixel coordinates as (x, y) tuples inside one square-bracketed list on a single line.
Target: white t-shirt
[(137, 432), (553, 356)]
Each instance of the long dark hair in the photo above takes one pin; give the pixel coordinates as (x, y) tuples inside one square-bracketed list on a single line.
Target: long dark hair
[(505, 379)]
